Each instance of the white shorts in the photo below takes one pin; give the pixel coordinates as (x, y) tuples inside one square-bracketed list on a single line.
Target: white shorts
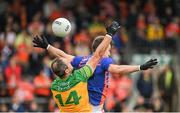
[(97, 109)]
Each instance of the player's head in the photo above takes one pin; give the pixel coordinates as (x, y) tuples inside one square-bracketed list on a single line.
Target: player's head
[(96, 43), (61, 67)]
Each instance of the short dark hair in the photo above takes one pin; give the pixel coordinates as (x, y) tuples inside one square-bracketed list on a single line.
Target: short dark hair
[(58, 67), (96, 42)]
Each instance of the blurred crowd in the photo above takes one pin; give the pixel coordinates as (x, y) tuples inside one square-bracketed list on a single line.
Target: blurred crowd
[(25, 76), (154, 94)]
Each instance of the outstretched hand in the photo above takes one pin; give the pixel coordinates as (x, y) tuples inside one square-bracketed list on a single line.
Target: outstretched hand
[(112, 29), (40, 41), (149, 64)]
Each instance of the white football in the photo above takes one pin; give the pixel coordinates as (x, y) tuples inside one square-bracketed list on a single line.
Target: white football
[(61, 27)]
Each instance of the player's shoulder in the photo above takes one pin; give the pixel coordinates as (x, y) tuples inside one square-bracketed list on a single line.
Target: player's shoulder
[(83, 73), (81, 57), (105, 62), (55, 83), (106, 59), (78, 57)]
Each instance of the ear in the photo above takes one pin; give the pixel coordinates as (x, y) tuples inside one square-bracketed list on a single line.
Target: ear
[(66, 71)]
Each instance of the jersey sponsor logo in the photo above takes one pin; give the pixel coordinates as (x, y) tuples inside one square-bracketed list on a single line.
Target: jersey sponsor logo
[(59, 85)]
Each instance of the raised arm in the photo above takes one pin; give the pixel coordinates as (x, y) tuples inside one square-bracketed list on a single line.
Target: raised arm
[(125, 69), (101, 49), (41, 42), (59, 53)]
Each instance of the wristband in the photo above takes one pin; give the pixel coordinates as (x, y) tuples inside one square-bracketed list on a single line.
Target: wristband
[(109, 36), (48, 46), (139, 67)]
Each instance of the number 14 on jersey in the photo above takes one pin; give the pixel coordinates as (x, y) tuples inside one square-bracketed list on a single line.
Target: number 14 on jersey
[(72, 98)]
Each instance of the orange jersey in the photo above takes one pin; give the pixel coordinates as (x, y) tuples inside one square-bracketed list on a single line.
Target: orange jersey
[(71, 94)]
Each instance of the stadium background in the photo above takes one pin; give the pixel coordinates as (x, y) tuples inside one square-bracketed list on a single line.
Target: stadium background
[(150, 29)]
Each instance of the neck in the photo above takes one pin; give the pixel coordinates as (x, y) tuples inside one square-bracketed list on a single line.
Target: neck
[(65, 76)]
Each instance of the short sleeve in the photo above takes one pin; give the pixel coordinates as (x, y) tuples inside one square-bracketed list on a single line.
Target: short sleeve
[(76, 61), (84, 72), (106, 62)]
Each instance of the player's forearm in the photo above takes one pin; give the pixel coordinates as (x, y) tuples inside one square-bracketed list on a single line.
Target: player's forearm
[(129, 68), (59, 53), (56, 52), (125, 69), (101, 49)]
